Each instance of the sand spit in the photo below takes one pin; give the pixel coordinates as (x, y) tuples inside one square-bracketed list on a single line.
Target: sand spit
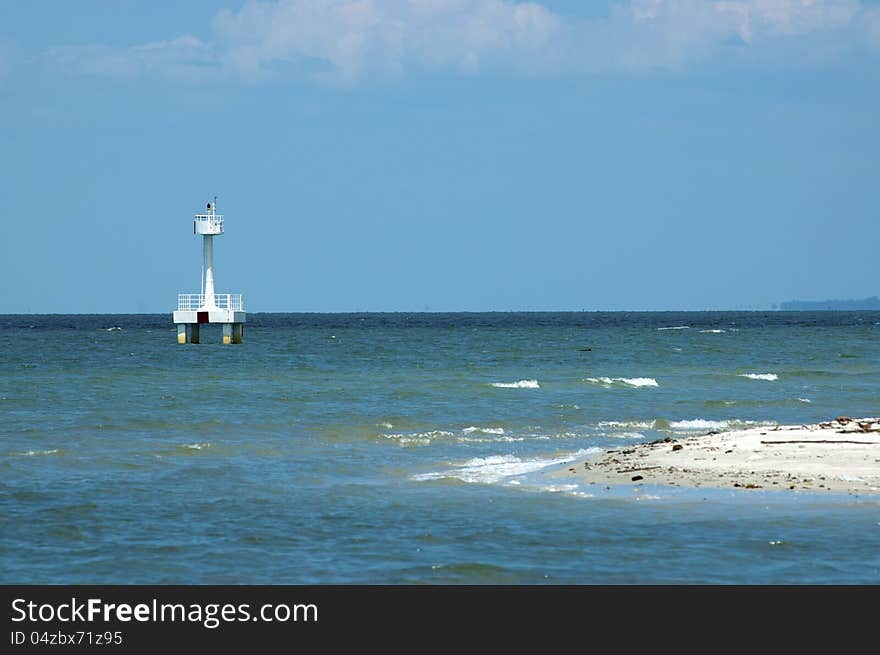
[(841, 455)]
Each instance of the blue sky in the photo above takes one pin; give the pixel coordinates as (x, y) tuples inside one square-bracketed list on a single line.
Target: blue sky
[(442, 155)]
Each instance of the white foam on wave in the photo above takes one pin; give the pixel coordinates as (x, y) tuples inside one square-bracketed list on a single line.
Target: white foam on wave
[(556, 488), (629, 382), (414, 441), (474, 428), (804, 400), (418, 438), (385, 425), (639, 425), (115, 328), (196, 446), (639, 382), (32, 453), (704, 424), (627, 435), (499, 468), (699, 424), (490, 439), (519, 384), (676, 327), (770, 377), (713, 331)]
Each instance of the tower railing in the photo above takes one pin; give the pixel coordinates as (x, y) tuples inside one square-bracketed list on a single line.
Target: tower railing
[(195, 301), (215, 221)]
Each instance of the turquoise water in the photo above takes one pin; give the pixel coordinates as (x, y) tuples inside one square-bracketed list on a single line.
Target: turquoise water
[(415, 448)]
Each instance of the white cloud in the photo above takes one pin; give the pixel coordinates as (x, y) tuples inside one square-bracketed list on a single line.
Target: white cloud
[(354, 37), (181, 57), (787, 17), (348, 40), (675, 33)]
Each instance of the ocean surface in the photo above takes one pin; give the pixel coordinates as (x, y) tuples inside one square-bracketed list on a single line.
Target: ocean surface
[(415, 448)]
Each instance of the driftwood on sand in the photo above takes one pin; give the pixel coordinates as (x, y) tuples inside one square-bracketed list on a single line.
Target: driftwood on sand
[(862, 443)]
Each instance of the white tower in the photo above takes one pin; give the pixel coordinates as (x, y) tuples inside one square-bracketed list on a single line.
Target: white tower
[(193, 309)]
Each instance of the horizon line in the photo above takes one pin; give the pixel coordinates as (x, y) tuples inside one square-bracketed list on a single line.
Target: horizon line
[(489, 311)]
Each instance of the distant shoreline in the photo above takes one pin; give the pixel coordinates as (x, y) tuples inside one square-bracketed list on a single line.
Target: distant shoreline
[(868, 304)]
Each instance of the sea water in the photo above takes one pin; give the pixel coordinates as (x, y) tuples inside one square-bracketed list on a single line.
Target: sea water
[(417, 448)]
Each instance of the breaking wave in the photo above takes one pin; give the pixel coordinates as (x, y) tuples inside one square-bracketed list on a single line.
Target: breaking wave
[(519, 384), (699, 424), (638, 425), (32, 453), (627, 382), (499, 468), (483, 430), (704, 424), (676, 327), (489, 439), (489, 435), (770, 377), (418, 438)]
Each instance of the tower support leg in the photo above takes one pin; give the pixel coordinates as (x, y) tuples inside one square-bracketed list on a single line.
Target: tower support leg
[(237, 332), (227, 333), (187, 333)]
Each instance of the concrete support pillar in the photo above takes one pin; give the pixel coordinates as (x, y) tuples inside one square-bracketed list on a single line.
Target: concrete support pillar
[(227, 333), (208, 262), (187, 333), (237, 332)]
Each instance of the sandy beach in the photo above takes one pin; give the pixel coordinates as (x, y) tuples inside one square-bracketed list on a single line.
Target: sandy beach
[(842, 455)]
